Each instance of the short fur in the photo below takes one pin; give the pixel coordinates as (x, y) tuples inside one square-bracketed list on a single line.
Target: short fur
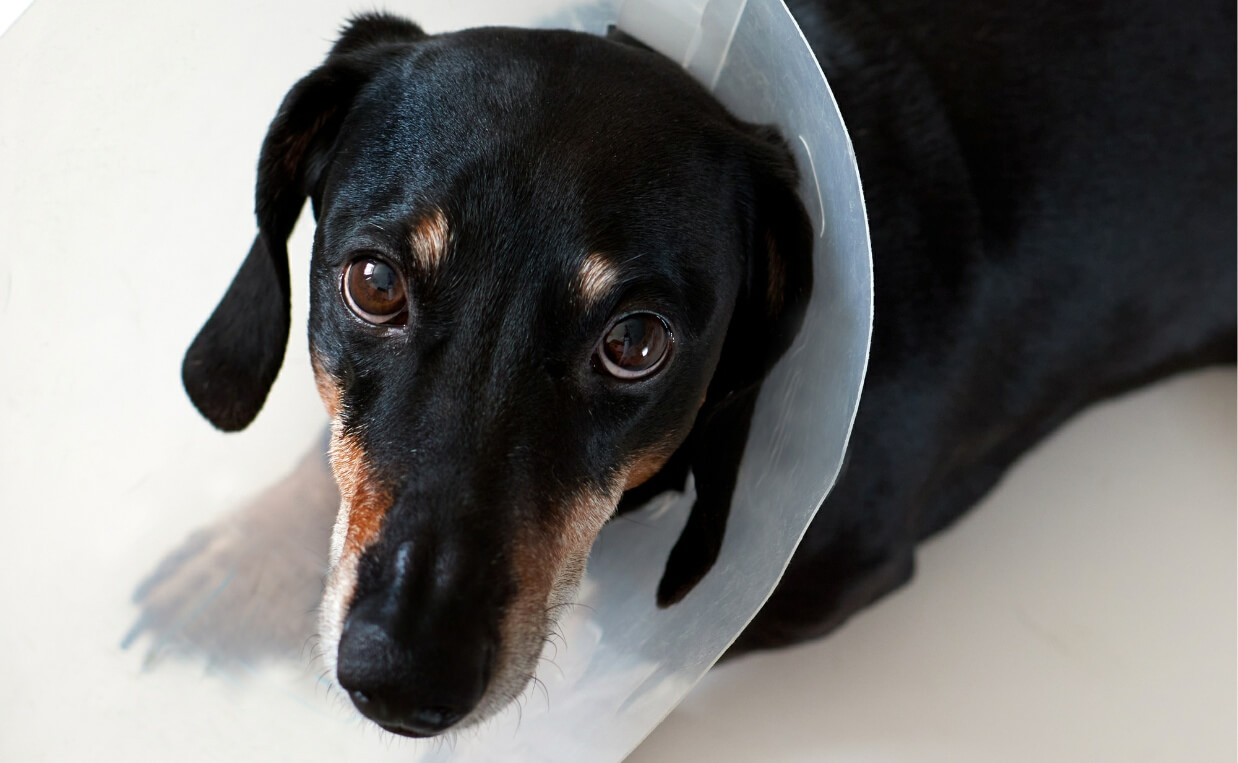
[(1051, 196)]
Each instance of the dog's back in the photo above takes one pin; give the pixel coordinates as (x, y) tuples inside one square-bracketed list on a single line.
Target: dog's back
[(1085, 148), (1051, 197)]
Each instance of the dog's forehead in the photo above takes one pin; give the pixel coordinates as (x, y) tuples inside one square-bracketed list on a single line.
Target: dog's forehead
[(554, 74), (552, 164), (544, 106)]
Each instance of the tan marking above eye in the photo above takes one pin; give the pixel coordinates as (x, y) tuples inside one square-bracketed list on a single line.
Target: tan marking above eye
[(429, 238), (595, 278)]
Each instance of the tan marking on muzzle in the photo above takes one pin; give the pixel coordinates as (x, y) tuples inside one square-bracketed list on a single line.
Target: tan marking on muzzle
[(328, 387), (429, 238), (647, 464), (363, 506), (643, 464), (367, 501), (595, 278), (548, 563)]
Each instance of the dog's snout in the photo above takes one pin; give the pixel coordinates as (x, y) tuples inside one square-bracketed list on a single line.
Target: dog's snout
[(410, 657)]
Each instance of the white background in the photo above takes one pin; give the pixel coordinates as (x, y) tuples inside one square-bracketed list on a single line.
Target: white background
[(1085, 611)]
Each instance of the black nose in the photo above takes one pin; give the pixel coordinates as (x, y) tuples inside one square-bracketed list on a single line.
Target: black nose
[(416, 651), (412, 721), (406, 690)]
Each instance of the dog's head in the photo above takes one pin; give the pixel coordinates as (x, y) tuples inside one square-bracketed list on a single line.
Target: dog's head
[(548, 267)]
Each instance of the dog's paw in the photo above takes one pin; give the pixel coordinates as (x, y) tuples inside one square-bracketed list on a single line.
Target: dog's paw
[(245, 589)]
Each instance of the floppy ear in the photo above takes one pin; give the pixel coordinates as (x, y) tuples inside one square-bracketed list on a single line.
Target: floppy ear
[(768, 314), (231, 365)]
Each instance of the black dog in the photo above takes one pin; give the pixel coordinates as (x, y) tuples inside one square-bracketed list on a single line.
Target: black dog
[(550, 273)]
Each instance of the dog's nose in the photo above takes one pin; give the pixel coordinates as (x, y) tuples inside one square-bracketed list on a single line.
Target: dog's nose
[(411, 690), (412, 659), (400, 707), (419, 721)]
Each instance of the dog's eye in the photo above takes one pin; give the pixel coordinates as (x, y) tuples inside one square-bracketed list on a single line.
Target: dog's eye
[(635, 345), (374, 291)]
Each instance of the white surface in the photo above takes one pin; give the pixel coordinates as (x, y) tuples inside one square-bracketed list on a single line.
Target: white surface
[(1086, 613), (9, 11)]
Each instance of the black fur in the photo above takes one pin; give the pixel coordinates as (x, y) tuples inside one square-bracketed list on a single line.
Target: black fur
[(1051, 195)]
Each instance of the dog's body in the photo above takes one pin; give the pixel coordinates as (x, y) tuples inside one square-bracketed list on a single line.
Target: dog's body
[(1051, 200), (550, 269)]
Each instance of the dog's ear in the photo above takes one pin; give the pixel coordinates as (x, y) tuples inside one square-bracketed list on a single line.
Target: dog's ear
[(767, 317), (231, 365)]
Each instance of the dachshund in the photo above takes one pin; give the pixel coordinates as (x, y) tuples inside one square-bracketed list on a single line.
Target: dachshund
[(550, 272)]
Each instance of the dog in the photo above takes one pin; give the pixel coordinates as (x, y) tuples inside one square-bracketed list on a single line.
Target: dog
[(550, 272)]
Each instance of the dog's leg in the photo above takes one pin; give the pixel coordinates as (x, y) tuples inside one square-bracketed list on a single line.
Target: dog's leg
[(716, 448), (246, 588)]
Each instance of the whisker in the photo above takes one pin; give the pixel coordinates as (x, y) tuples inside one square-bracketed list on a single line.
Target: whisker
[(553, 607), (545, 692), (551, 642)]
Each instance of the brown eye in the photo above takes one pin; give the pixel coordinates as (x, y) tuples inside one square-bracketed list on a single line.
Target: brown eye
[(374, 291), (634, 346)]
